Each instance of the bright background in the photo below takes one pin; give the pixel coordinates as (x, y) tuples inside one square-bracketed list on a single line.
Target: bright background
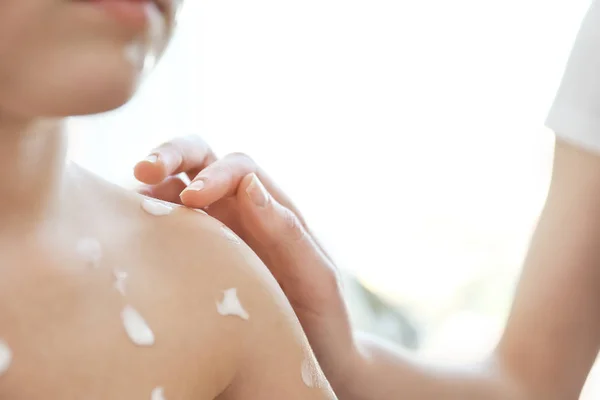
[(410, 134)]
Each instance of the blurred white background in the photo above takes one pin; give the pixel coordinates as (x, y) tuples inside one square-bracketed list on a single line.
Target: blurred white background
[(410, 133)]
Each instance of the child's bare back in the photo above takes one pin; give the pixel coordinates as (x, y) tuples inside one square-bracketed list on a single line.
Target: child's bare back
[(117, 297)]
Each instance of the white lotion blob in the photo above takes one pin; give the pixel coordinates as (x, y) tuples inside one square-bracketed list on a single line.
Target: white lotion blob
[(5, 357), (158, 394), (156, 208), (90, 250), (312, 376), (136, 327), (309, 373), (120, 280), (230, 235), (231, 305)]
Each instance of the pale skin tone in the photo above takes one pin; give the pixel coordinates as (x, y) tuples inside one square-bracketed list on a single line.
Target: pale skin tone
[(551, 338), (61, 316)]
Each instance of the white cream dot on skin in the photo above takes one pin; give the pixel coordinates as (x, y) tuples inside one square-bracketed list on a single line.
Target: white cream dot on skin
[(308, 373), (231, 305), (5, 357), (230, 235), (90, 250), (158, 394), (312, 376), (156, 208), (120, 280), (136, 327)]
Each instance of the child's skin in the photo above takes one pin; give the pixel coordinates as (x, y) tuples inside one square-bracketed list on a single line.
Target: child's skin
[(60, 316)]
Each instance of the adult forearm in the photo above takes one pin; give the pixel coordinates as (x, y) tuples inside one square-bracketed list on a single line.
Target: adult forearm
[(552, 336), (384, 372), (553, 332)]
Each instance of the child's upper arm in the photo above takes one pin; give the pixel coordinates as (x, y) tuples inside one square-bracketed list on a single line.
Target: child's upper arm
[(272, 358), (277, 361)]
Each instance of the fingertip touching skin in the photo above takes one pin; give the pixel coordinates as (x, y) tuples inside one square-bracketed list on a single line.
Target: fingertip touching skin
[(218, 180), (211, 179), (168, 190), (182, 155)]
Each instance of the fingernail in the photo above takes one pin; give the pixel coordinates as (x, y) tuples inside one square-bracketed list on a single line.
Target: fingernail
[(196, 186), (257, 192), (152, 158)]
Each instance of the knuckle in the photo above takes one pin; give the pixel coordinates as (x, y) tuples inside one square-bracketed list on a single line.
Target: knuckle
[(291, 227), (333, 280), (243, 159), (227, 170), (171, 150)]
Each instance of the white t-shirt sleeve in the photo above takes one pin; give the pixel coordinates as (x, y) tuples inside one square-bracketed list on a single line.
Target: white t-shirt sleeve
[(575, 113)]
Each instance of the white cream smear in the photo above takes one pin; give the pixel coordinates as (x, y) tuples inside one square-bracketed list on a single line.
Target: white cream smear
[(120, 280), (312, 376), (158, 394), (230, 235), (231, 305), (5, 357), (91, 251), (136, 327), (156, 208), (309, 373)]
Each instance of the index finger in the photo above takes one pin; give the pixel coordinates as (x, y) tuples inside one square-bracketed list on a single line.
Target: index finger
[(189, 154)]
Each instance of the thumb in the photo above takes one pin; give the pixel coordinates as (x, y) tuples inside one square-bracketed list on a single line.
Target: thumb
[(270, 222), (285, 245), (305, 273)]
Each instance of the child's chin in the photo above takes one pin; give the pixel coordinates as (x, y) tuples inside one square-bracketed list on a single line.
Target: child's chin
[(86, 101), (99, 97), (98, 105), (89, 83)]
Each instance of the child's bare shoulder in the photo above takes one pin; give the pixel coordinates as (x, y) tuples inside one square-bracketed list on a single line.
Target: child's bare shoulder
[(215, 309), (212, 270), (246, 307)]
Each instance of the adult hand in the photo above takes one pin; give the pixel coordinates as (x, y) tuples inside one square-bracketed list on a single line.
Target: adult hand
[(235, 190), (242, 196)]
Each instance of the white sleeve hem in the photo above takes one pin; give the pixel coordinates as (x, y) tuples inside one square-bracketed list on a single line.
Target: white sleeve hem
[(575, 114), (575, 127)]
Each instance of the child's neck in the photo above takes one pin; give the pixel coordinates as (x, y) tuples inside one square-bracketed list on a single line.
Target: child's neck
[(32, 160)]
